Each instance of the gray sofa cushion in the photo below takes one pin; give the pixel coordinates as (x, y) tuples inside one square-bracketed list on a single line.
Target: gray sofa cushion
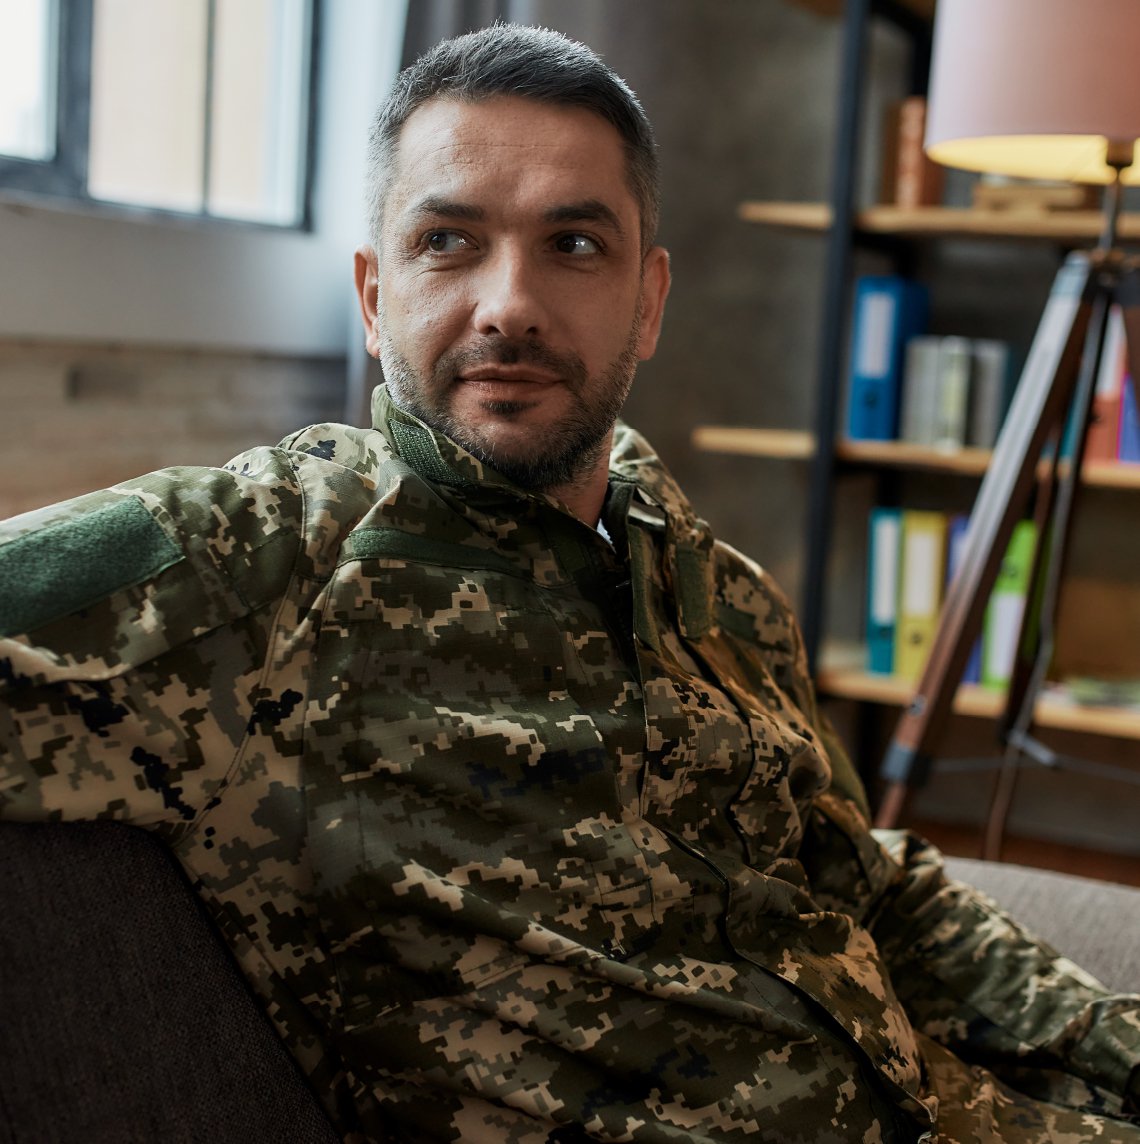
[(1095, 924)]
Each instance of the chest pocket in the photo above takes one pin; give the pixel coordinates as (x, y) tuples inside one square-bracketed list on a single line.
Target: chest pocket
[(460, 793)]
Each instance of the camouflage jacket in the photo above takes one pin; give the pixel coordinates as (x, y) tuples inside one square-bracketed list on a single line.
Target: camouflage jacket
[(520, 835)]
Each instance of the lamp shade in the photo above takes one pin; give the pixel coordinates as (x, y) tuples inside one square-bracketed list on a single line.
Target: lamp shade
[(1036, 88)]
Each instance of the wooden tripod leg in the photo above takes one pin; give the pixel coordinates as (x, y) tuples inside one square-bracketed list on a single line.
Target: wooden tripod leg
[(1056, 497), (1055, 508), (1043, 396)]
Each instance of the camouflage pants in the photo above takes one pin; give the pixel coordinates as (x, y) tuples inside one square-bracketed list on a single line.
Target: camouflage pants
[(976, 1108)]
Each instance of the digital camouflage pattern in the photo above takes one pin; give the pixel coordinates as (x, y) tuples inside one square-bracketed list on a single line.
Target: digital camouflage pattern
[(520, 836)]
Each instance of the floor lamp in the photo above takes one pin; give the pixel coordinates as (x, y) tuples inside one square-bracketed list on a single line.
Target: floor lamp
[(1045, 89)]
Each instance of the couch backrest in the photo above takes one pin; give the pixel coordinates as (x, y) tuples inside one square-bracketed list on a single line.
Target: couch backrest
[(124, 1019)]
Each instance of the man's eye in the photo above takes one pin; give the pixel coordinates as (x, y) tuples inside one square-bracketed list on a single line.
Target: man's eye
[(445, 242), (576, 244)]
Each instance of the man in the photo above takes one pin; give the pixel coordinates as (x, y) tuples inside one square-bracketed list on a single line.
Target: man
[(503, 780)]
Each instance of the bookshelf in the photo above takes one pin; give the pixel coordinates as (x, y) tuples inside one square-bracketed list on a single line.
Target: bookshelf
[(799, 444), (1072, 226), (838, 679), (899, 470)]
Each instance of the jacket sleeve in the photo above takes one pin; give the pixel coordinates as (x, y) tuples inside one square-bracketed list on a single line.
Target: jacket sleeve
[(133, 628), (967, 974), (972, 978)]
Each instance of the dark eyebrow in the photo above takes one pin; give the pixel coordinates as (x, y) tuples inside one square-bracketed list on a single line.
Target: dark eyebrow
[(591, 210), (435, 207)]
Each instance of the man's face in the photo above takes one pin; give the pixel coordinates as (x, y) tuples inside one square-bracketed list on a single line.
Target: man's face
[(513, 301)]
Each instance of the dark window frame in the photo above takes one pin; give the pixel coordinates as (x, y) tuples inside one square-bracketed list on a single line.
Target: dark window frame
[(61, 179)]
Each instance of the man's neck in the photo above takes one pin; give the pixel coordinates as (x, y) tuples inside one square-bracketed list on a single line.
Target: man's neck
[(585, 497)]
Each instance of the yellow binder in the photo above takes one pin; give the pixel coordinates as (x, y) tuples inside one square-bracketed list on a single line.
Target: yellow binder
[(922, 575)]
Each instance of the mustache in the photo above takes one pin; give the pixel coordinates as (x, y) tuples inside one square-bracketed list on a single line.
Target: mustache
[(500, 350)]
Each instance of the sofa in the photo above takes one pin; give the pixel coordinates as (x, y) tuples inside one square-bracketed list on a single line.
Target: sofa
[(125, 1020)]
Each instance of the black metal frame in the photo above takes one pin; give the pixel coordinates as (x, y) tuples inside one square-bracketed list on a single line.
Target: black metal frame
[(842, 238), (64, 175)]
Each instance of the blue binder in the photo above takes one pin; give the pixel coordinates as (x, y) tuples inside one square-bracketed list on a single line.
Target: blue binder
[(889, 310), (959, 525)]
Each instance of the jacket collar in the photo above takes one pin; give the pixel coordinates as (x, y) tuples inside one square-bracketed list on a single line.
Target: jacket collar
[(657, 501)]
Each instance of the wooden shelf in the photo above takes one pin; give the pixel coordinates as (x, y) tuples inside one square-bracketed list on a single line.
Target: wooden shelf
[(903, 455), (841, 682), (944, 222), (793, 443), (754, 442)]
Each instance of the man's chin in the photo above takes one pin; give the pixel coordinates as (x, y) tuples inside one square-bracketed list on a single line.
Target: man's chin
[(538, 461)]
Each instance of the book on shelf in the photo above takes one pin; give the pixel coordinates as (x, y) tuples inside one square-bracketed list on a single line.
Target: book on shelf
[(992, 383), (910, 177), (918, 417), (1103, 432), (912, 558), (889, 310), (954, 362), (1006, 606), (957, 531), (955, 391), (993, 192), (883, 539), (1128, 442), (922, 573)]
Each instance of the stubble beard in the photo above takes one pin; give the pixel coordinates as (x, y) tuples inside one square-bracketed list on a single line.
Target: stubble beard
[(566, 451)]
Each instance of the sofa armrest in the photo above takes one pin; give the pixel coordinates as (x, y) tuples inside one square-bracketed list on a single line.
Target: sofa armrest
[(1096, 924)]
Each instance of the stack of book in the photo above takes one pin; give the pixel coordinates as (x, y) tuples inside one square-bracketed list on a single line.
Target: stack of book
[(911, 558), (949, 392), (905, 385)]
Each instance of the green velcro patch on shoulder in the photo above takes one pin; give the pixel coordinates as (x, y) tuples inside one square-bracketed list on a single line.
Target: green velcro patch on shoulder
[(49, 574)]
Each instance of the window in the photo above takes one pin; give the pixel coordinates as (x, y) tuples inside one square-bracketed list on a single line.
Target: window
[(27, 78), (199, 107)]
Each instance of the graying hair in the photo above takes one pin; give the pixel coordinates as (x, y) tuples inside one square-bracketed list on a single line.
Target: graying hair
[(514, 59)]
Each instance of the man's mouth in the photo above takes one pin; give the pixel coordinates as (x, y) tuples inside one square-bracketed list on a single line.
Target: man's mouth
[(491, 374)]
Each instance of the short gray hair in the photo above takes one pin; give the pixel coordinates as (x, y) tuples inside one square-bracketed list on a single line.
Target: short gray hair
[(514, 59)]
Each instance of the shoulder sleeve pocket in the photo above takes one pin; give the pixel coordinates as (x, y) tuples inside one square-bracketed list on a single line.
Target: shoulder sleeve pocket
[(58, 570)]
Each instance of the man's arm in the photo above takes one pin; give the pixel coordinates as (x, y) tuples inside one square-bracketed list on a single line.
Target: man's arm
[(133, 628), (967, 974)]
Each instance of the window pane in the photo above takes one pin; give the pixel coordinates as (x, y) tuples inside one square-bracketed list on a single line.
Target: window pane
[(148, 98), (259, 109), (27, 78)]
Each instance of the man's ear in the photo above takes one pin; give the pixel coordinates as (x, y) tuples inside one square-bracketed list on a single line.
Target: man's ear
[(366, 271), (654, 290)]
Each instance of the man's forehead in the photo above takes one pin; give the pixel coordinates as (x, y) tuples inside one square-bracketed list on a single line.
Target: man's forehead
[(497, 111), (452, 141)]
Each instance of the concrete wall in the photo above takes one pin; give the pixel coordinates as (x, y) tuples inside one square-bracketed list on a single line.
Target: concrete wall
[(81, 416), (742, 95)]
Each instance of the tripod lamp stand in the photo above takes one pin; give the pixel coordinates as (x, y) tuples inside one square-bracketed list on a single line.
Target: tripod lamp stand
[(1046, 89)]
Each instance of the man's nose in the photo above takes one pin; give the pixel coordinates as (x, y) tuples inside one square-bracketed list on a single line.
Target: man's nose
[(510, 299)]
